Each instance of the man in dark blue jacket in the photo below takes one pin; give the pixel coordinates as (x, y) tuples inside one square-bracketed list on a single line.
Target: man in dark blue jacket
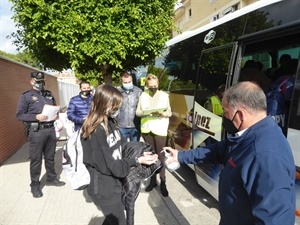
[(257, 184), (80, 105)]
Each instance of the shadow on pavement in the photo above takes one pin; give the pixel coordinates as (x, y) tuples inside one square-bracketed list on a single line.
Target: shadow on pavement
[(184, 171), (96, 221)]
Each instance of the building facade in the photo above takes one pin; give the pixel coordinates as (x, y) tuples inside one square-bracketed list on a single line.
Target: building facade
[(192, 14)]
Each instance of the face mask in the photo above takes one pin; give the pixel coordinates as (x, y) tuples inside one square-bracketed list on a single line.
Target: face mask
[(39, 85), (114, 114), (229, 126), (86, 93), (127, 86), (153, 90)]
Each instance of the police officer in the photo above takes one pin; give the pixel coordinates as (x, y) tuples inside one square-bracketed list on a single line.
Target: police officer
[(40, 132)]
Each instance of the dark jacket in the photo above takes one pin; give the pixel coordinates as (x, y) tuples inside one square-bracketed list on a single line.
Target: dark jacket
[(132, 182), (31, 103), (78, 109), (257, 184), (102, 155), (126, 117)]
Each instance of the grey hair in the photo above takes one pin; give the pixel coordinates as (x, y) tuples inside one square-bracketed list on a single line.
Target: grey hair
[(246, 94)]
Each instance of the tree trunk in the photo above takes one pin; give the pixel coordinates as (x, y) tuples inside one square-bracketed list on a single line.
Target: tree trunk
[(106, 76)]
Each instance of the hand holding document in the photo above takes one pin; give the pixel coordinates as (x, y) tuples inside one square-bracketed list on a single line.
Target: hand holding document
[(154, 111), (50, 111)]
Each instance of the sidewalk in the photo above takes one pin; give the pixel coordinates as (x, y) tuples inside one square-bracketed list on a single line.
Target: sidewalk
[(65, 206)]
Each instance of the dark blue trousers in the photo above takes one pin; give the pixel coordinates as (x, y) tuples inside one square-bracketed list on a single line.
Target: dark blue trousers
[(42, 142)]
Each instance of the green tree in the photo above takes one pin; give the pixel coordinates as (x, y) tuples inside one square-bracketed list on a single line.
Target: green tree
[(93, 36), (25, 57)]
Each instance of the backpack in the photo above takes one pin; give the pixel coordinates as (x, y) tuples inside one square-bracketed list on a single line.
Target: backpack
[(276, 105), (72, 163)]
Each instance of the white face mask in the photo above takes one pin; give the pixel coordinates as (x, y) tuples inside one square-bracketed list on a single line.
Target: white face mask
[(115, 114), (112, 114)]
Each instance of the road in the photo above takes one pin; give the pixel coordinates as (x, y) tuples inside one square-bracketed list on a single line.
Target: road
[(188, 199)]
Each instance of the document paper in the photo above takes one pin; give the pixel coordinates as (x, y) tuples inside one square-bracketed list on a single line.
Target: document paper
[(50, 111)]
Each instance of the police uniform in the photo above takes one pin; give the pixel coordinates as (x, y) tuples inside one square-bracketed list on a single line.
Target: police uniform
[(41, 135)]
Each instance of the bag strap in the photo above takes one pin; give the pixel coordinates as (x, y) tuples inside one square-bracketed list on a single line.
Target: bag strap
[(76, 150)]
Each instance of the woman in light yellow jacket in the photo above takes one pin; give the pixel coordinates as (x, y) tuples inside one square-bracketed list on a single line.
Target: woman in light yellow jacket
[(154, 108)]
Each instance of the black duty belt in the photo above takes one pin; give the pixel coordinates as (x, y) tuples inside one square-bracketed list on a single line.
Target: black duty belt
[(43, 126)]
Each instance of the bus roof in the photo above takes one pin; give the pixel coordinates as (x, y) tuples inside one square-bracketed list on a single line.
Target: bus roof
[(254, 6)]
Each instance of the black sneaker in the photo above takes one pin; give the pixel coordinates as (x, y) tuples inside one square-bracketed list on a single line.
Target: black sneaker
[(36, 192), (55, 182)]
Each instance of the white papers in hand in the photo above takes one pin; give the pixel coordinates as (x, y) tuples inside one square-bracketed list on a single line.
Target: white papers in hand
[(50, 111)]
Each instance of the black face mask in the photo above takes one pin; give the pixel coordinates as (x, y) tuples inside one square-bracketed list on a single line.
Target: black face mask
[(39, 85), (86, 93), (229, 126), (152, 90)]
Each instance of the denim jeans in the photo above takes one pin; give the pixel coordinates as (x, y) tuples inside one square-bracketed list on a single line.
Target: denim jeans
[(130, 134)]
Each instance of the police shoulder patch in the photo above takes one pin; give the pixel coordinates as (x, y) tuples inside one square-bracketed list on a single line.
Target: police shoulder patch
[(34, 98)]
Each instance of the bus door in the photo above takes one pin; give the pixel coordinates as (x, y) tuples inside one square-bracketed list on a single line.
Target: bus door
[(275, 54), (214, 74), (293, 136)]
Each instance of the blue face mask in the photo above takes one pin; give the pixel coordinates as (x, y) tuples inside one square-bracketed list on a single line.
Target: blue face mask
[(127, 86)]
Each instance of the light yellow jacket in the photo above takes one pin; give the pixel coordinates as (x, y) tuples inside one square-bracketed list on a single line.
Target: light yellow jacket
[(156, 125), (215, 105)]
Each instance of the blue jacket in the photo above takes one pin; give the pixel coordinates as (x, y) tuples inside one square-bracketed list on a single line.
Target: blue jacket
[(32, 102), (78, 110), (257, 184)]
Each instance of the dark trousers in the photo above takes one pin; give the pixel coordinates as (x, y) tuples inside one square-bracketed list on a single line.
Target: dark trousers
[(42, 142), (114, 214), (157, 142)]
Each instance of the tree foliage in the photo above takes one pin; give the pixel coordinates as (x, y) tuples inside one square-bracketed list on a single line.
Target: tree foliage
[(24, 57), (93, 36)]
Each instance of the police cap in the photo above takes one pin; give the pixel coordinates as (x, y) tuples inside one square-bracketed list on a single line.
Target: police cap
[(37, 76)]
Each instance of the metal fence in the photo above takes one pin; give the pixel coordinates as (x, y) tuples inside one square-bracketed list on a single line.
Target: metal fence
[(66, 91)]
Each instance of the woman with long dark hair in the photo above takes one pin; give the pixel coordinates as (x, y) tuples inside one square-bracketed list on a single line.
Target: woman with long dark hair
[(102, 154)]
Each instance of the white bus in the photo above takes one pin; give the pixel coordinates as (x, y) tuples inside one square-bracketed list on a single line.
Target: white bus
[(202, 60)]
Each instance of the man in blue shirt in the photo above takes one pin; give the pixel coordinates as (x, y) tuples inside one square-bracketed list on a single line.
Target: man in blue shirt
[(257, 183)]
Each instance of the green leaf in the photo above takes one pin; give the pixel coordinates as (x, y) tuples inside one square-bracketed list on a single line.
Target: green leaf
[(89, 34)]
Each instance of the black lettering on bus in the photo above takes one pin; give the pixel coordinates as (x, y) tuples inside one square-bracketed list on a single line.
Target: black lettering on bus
[(202, 123)]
